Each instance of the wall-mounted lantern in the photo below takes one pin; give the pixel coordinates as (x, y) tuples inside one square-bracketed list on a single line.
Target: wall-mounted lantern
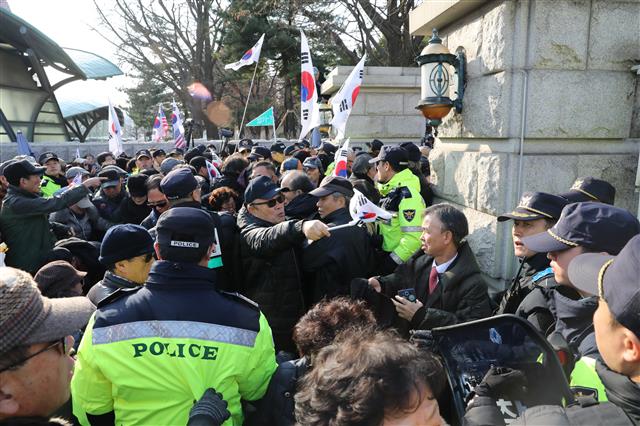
[(438, 66)]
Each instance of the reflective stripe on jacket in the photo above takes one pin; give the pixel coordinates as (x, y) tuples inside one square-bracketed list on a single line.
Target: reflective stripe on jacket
[(402, 197)]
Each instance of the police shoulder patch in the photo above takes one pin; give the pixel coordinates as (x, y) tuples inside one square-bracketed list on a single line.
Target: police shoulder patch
[(542, 274), (409, 214), (119, 293), (240, 298)]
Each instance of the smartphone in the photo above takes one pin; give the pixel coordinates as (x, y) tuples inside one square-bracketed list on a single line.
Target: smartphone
[(408, 293)]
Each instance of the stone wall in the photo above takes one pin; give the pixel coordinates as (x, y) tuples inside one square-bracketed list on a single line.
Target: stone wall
[(549, 98), (385, 108)]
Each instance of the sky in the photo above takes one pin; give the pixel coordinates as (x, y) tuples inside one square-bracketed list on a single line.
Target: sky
[(69, 23)]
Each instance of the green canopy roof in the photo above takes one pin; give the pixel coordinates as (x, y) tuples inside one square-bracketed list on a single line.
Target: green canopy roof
[(16, 32)]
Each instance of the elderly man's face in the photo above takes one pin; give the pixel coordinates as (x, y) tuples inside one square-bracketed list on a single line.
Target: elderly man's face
[(263, 171), (113, 191), (41, 385), (271, 211), (329, 204)]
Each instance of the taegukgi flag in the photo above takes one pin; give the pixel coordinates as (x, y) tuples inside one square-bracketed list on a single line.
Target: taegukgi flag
[(342, 103), (362, 209), (340, 159), (115, 132), (309, 108), (177, 127), (250, 56), (159, 130)]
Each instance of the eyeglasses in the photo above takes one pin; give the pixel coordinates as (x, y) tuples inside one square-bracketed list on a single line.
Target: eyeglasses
[(66, 343), (159, 204), (272, 202)]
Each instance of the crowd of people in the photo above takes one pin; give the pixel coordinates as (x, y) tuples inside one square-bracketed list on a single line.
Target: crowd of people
[(157, 290)]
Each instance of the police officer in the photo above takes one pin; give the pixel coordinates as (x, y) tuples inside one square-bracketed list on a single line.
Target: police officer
[(400, 190), (614, 282), (536, 212), (149, 352), (591, 189), (53, 178), (181, 189), (589, 227)]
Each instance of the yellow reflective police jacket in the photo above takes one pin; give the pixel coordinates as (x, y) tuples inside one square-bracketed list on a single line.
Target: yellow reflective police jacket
[(401, 237), (48, 186), (149, 354)]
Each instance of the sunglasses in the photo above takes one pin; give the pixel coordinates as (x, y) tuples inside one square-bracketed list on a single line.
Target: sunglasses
[(66, 343), (158, 205), (272, 202)]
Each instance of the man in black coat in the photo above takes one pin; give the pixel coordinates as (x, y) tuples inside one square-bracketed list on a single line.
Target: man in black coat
[(331, 263), (442, 285), (268, 246), (298, 202)]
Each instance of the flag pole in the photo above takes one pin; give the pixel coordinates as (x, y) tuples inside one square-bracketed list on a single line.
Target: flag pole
[(246, 104), (273, 123)]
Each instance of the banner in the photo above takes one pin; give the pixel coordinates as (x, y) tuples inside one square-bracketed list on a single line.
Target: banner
[(264, 119), (342, 103), (250, 56), (309, 108)]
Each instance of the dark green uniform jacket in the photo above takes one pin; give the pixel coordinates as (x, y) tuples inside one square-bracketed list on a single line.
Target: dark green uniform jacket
[(24, 221)]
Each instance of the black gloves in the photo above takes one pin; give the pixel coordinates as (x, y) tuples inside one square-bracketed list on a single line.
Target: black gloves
[(501, 380), (210, 410)]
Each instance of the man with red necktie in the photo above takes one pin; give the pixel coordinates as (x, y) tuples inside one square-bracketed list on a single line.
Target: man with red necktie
[(441, 284)]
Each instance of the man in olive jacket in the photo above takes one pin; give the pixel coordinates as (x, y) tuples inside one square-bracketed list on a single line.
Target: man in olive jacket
[(441, 285), (24, 215)]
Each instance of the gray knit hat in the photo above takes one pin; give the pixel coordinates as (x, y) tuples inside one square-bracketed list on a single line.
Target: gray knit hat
[(26, 317)]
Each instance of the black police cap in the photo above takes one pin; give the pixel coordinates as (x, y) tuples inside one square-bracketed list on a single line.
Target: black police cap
[(591, 189), (392, 154), (278, 147), (185, 227), (375, 145), (614, 279), (178, 183), (595, 226), (536, 205), (413, 152)]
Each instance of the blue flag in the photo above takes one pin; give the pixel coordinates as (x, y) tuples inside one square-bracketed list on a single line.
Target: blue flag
[(23, 145)]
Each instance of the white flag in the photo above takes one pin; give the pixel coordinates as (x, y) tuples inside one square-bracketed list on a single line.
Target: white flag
[(362, 209), (309, 108), (115, 132), (343, 101), (340, 161), (250, 56)]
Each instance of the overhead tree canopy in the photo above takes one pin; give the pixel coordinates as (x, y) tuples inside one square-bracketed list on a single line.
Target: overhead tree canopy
[(172, 43)]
